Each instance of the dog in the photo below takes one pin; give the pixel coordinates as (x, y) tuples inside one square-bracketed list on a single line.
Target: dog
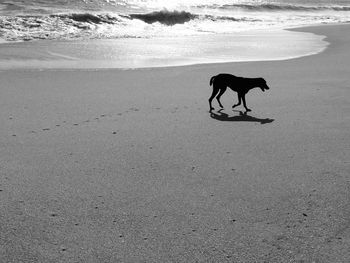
[(239, 84)]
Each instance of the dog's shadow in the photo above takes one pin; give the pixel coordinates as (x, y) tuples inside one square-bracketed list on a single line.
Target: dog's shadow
[(243, 116)]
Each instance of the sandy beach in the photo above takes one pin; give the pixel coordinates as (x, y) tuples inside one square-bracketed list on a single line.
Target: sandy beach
[(129, 166)]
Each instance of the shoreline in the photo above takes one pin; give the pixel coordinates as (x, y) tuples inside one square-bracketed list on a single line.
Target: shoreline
[(129, 165), (76, 55)]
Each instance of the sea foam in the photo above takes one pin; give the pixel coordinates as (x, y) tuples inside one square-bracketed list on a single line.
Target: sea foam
[(113, 25)]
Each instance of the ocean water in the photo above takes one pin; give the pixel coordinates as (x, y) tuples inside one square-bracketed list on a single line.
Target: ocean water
[(163, 28)]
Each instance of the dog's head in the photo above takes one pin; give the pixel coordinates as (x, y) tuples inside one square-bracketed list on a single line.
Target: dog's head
[(262, 84)]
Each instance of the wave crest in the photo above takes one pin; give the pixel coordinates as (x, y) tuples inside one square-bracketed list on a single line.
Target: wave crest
[(89, 18), (165, 17)]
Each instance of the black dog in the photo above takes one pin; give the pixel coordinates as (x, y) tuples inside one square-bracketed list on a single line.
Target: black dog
[(240, 85)]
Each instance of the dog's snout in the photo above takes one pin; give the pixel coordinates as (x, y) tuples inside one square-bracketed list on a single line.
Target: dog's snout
[(266, 87)]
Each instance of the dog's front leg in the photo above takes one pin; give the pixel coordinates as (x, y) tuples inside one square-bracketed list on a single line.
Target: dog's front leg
[(244, 103)]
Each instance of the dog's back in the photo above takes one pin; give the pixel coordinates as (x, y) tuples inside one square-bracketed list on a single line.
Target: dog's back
[(223, 78), (236, 83), (228, 80)]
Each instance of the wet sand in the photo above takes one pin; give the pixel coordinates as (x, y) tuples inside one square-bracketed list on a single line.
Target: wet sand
[(129, 166), (130, 53)]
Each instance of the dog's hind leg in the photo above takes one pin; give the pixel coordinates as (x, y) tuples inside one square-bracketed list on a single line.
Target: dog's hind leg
[(222, 90), (215, 91), (244, 103), (239, 101)]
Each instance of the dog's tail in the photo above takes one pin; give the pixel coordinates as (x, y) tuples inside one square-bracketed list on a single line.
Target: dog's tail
[(212, 80)]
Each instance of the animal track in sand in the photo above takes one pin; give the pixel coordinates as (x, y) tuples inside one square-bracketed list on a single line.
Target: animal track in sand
[(98, 118)]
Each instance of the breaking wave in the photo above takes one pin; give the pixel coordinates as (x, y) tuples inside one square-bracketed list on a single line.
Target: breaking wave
[(89, 18), (109, 25), (171, 18), (166, 17)]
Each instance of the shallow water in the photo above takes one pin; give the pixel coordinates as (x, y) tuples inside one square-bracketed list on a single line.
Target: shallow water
[(162, 51)]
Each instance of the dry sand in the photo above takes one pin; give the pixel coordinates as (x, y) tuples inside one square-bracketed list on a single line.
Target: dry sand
[(128, 166)]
